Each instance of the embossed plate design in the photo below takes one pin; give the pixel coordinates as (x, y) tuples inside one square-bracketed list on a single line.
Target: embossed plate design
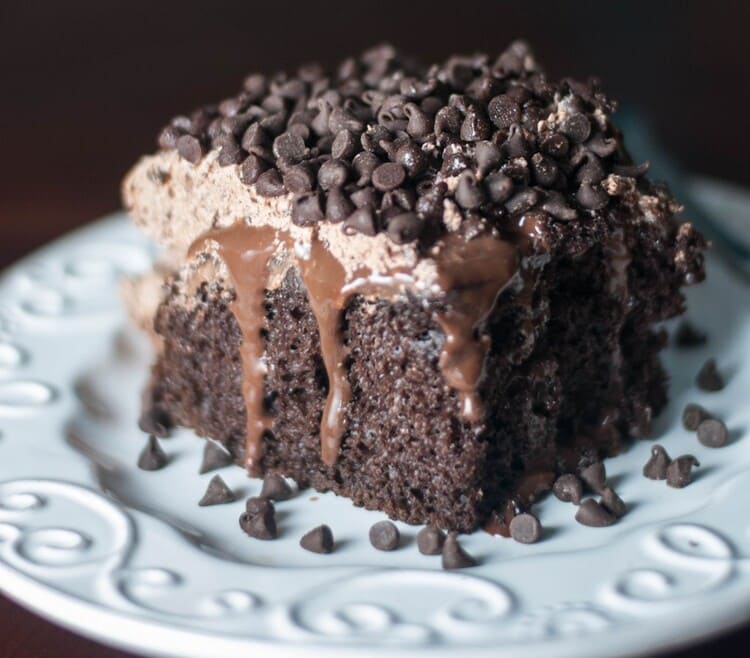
[(128, 557)]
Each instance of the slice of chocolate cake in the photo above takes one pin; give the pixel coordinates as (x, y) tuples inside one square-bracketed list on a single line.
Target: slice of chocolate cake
[(416, 287)]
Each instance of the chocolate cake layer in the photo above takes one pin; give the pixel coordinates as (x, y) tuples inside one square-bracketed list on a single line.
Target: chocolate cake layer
[(417, 287)]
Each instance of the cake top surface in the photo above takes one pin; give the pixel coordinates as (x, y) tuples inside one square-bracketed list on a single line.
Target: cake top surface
[(384, 145)]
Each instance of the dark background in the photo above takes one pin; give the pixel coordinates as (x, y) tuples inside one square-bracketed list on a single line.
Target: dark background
[(85, 86)]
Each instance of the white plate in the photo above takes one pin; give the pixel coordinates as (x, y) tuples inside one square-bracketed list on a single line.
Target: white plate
[(128, 557)]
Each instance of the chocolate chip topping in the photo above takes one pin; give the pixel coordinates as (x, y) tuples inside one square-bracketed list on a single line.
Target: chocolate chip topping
[(259, 519), (318, 540), (713, 433), (215, 456), (693, 415), (709, 378), (430, 540), (276, 487), (383, 120), (688, 336), (656, 467), (217, 493), (568, 488), (595, 476), (152, 457), (593, 514), (612, 502), (525, 528), (679, 472), (454, 556), (384, 536)]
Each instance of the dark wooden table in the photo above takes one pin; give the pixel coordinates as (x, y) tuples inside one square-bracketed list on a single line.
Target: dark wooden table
[(85, 85)]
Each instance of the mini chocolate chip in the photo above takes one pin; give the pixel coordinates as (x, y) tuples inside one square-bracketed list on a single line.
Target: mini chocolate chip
[(576, 127), (318, 540), (152, 457), (345, 145), (631, 171), (555, 145), (679, 471), (275, 124), (594, 476), (656, 467), (688, 336), (181, 122), (419, 123), (544, 168), (713, 433), (522, 201), (612, 502), (475, 126), (504, 111), (384, 536), (469, 194), (499, 187), (525, 528), (487, 156), (217, 493), (388, 176), (254, 136), (591, 197), (412, 158), (592, 514), (568, 488), (447, 120), (709, 378), (298, 179), (430, 540), (591, 171), (364, 164), (307, 209), (515, 145), (270, 184), (454, 556), (168, 138), (251, 169), (639, 426), (155, 420), (338, 206), (367, 196), (190, 148), (215, 456), (404, 227), (342, 119), (555, 205), (361, 221), (259, 519), (275, 487), (693, 415), (601, 145), (289, 147), (255, 85), (332, 173), (230, 154)]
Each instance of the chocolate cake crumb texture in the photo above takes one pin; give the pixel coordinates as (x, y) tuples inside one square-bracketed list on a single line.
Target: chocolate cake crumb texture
[(215, 456), (318, 540), (259, 519), (384, 536), (687, 336), (430, 540), (152, 457), (525, 528), (568, 488), (713, 433), (679, 471), (593, 514), (454, 556), (693, 415), (656, 467), (275, 487), (709, 378), (217, 493)]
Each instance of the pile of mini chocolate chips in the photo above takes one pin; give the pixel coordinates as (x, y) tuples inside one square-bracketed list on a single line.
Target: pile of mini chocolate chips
[(379, 145)]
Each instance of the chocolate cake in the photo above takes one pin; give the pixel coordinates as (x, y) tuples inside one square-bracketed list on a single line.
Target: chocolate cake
[(423, 288)]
